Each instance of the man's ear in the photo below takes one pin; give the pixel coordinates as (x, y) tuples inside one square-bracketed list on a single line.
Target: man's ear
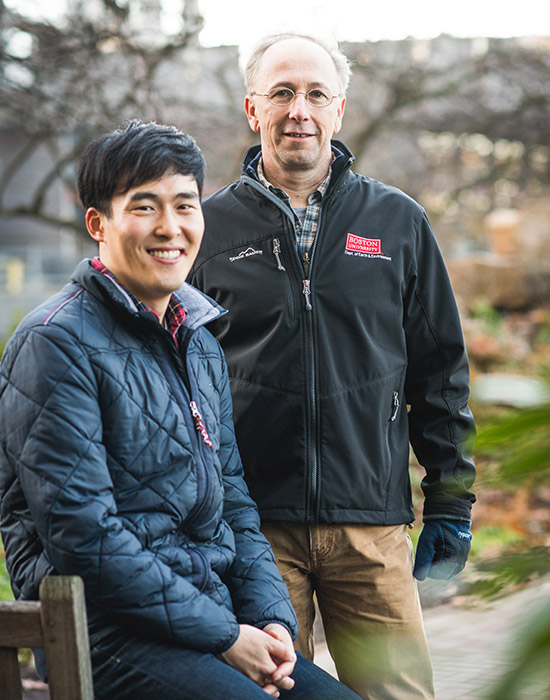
[(250, 109), (339, 116), (95, 223)]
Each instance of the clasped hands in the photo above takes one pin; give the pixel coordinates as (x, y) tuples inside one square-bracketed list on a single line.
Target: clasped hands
[(265, 656)]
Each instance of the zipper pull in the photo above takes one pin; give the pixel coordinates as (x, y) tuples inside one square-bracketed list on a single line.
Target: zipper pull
[(306, 291), (395, 405), (199, 425), (277, 254)]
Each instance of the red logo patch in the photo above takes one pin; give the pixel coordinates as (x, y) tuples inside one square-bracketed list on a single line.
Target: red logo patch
[(358, 244)]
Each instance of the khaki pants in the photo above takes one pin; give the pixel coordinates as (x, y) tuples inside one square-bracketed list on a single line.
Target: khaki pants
[(368, 599)]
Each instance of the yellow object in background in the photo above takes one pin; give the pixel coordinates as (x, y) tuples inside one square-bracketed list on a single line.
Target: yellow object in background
[(15, 276)]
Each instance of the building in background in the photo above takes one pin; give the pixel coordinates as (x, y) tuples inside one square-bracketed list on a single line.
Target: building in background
[(460, 124)]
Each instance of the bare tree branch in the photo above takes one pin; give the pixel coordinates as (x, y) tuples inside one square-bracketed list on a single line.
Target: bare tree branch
[(85, 77)]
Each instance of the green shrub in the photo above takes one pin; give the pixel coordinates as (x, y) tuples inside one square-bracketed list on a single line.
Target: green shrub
[(5, 588)]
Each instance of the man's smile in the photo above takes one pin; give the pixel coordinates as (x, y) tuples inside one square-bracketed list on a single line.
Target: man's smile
[(167, 254)]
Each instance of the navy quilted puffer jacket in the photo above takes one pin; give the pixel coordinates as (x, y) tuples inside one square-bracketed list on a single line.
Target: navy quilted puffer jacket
[(104, 474)]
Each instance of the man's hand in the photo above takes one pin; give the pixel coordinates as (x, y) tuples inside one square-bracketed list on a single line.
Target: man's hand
[(285, 665), (263, 657), (442, 550)]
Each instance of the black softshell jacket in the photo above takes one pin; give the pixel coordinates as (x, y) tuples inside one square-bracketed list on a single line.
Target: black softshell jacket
[(335, 365)]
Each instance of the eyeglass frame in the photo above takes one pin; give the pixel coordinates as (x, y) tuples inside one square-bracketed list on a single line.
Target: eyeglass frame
[(295, 95)]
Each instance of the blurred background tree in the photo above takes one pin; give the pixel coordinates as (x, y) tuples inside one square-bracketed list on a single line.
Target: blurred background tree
[(517, 447), (64, 84), (460, 124)]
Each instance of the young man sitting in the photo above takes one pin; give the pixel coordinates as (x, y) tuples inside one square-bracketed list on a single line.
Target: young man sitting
[(118, 460)]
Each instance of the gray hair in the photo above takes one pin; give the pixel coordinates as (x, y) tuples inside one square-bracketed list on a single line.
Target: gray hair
[(341, 63)]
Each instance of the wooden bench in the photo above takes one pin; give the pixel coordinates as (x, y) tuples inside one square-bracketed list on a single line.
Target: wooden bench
[(57, 623)]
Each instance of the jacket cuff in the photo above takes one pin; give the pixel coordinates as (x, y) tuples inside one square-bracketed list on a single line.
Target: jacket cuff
[(447, 509), (226, 643), (265, 623)]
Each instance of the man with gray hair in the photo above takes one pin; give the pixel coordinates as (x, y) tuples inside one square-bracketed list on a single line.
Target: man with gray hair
[(341, 316)]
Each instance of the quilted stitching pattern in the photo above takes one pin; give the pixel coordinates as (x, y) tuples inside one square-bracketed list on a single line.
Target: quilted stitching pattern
[(99, 475)]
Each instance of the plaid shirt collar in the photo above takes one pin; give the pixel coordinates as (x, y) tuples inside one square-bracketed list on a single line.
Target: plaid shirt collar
[(321, 190), (305, 233), (175, 313)]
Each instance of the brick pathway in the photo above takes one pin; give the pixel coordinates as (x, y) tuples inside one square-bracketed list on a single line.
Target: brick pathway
[(472, 648)]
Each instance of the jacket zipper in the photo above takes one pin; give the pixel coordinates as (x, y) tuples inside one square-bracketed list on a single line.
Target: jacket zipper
[(393, 417), (167, 365), (395, 404), (199, 425), (314, 446), (306, 283), (277, 254), (313, 442), (286, 281), (306, 291), (204, 496)]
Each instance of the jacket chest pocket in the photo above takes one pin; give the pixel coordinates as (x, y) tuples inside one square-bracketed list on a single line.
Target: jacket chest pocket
[(285, 281), (393, 413)]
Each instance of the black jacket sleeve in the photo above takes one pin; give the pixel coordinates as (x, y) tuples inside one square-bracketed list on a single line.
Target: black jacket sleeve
[(437, 383)]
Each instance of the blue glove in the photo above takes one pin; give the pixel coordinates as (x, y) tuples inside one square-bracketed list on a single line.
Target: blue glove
[(442, 550)]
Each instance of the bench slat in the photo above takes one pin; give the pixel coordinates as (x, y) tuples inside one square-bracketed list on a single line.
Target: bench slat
[(66, 638), (21, 626), (9, 675), (58, 624)]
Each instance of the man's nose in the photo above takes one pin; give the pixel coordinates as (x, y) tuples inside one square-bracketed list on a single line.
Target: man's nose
[(299, 107), (168, 223)]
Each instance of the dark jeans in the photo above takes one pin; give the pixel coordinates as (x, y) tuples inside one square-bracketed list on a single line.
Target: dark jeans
[(130, 668)]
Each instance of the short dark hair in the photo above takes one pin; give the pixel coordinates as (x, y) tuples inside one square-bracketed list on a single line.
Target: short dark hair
[(134, 154)]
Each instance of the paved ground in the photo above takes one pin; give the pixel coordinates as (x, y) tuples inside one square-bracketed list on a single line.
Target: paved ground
[(471, 648)]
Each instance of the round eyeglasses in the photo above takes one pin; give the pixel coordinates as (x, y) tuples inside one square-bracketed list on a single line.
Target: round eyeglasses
[(282, 97)]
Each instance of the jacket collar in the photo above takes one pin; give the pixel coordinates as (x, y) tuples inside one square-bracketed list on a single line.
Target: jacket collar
[(200, 308), (342, 162)]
